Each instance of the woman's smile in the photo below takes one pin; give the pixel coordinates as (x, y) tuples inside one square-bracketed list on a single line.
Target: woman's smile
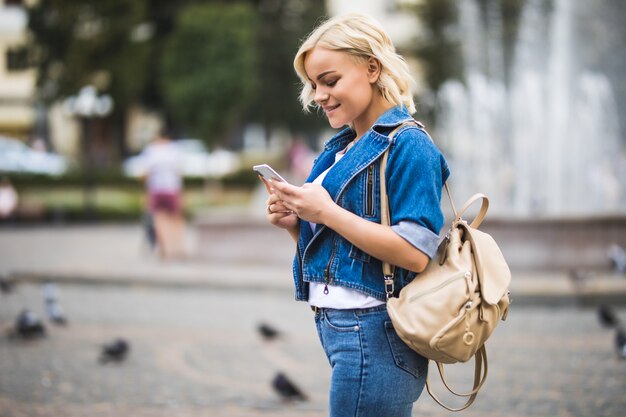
[(330, 109)]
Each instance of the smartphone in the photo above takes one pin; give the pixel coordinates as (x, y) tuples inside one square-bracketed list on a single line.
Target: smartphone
[(268, 172)]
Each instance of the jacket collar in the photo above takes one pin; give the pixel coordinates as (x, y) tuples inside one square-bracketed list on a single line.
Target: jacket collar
[(393, 117), (389, 119), (363, 153)]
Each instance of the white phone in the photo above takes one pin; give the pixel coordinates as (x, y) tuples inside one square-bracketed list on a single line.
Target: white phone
[(268, 173)]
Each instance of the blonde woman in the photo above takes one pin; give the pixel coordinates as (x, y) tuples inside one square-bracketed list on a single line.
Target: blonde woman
[(349, 69)]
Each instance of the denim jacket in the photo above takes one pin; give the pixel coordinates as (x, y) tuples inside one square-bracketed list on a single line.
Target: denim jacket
[(416, 172)]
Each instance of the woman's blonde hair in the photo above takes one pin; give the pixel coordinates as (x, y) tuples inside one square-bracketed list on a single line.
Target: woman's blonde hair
[(362, 37)]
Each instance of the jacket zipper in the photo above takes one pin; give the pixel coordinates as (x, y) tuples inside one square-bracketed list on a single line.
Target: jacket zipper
[(370, 190), (327, 279), (440, 286)]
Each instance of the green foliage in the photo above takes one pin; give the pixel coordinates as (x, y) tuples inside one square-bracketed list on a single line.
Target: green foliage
[(208, 66), (283, 24), (440, 48), (511, 13), (89, 42), (114, 179), (244, 178)]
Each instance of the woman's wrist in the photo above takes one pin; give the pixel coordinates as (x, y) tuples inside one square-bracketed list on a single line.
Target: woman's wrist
[(332, 215), (294, 231)]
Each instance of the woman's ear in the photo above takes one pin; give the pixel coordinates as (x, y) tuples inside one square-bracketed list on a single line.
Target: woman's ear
[(373, 69)]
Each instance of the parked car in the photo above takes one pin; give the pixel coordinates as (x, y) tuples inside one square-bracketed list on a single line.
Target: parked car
[(16, 156), (196, 161)]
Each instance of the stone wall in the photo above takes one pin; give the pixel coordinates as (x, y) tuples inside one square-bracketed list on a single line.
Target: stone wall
[(556, 244)]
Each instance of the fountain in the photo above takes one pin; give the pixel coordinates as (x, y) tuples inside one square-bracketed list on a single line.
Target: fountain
[(547, 144), (543, 141)]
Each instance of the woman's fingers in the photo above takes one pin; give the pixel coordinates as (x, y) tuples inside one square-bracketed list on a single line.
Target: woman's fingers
[(278, 207), (272, 198), (289, 195), (268, 187), (284, 189), (277, 212)]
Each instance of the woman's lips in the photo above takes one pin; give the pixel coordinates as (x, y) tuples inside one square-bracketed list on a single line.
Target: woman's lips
[(330, 109)]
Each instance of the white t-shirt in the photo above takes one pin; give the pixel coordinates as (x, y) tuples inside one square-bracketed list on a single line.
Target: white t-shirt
[(8, 200), (162, 164), (337, 297)]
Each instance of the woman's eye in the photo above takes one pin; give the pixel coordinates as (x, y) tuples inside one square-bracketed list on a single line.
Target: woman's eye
[(331, 83), (313, 87)]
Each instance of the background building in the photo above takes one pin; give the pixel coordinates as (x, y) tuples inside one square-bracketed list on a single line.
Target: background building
[(17, 77)]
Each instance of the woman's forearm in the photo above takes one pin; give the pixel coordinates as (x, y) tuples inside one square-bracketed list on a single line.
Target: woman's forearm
[(376, 240)]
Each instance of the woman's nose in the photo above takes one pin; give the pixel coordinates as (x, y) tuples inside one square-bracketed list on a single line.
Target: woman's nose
[(320, 96)]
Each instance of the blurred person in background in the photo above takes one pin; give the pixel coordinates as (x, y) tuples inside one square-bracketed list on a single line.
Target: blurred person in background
[(8, 200), (349, 68), (300, 158), (162, 167)]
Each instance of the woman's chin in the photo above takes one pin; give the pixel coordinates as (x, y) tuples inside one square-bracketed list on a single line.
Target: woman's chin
[(335, 123)]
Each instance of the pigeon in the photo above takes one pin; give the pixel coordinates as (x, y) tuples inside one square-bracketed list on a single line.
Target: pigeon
[(28, 325), (116, 351), (579, 277), (620, 343), (6, 285), (53, 309), (607, 316), (267, 331), (287, 390), (617, 256)]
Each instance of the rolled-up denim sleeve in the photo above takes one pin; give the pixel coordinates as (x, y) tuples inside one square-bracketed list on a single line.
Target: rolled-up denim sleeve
[(418, 236), (416, 174)]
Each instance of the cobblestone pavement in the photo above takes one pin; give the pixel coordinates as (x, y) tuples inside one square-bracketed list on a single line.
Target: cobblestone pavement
[(196, 352)]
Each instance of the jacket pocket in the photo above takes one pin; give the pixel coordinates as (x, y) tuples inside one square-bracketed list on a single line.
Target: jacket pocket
[(369, 187), (358, 254)]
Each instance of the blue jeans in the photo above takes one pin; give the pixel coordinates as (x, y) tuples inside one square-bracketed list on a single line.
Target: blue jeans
[(373, 372)]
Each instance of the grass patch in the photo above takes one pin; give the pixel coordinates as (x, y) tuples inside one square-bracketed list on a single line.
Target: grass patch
[(116, 203)]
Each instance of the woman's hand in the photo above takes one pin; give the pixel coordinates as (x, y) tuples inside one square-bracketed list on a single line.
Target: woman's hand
[(311, 202), (276, 212)]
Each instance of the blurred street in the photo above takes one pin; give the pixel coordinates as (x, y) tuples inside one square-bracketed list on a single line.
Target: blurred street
[(195, 349)]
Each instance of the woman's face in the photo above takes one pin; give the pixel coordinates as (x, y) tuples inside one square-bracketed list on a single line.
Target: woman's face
[(344, 88)]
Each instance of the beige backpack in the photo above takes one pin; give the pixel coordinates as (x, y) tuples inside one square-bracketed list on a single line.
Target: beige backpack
[(450, 309)]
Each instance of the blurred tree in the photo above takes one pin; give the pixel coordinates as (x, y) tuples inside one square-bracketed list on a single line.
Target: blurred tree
[(90, 42), (282, 26), (165, 56), (439, 46), (162, 18), (102, 43), (511, 13), (208, 67)]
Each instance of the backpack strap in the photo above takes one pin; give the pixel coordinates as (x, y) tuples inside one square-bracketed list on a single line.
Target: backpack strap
[(480, 358), (385, 218)]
